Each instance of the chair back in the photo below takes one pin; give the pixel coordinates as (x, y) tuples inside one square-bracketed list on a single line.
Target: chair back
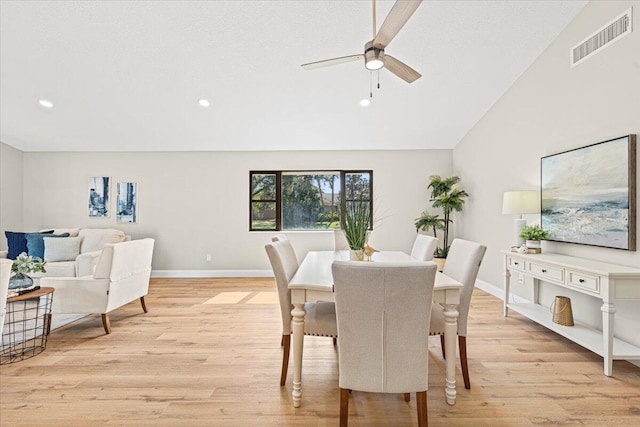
[(5, 273), (279, 238), (423, 247), (463, 263), (383, 312), (284, 265)]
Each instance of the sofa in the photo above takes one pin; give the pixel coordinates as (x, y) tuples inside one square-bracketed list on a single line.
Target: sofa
[(74, 252)]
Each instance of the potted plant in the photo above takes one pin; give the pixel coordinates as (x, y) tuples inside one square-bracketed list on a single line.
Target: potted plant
[(448, 196), (21, 266), (533, 234), (355, 222)]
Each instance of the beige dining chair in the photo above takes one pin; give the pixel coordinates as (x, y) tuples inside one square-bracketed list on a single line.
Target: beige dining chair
[(463, 262), (320, 318), (423, 247), (279, 238), (381, 309)]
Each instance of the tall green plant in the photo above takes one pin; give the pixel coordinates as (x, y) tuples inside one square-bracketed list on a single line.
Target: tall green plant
[(427, 222), (448, 196), (355, 222)]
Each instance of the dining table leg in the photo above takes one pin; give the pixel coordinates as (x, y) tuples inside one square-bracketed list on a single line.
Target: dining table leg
[(297, 326), (450, 334)]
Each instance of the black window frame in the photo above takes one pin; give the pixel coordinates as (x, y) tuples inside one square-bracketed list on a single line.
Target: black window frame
[(278, 200)]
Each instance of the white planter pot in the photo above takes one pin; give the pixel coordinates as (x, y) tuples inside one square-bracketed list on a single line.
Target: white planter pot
[(533, 244)]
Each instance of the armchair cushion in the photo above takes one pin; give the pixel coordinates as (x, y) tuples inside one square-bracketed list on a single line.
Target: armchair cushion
[(35, 243), (66, 249)]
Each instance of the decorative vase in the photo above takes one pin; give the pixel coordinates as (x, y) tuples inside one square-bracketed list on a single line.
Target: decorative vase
[(356, 255), (20, 281)]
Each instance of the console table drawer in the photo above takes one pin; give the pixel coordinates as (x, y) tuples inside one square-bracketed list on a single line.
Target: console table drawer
[(584, 281), (545, 272), (515, 263)]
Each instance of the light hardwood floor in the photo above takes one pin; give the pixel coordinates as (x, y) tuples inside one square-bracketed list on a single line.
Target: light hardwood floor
[(208, 354)]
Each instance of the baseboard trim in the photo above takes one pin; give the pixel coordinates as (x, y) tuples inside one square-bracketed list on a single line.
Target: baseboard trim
[(211, 273)]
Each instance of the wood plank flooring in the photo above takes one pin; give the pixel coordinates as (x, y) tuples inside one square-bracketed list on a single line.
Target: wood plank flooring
[(208, 354)]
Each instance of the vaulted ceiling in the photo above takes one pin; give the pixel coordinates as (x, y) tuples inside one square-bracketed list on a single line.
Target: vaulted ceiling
[(127, 75)]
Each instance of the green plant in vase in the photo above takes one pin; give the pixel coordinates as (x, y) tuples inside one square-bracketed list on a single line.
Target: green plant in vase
[(356, 222), (23, 265), (533, 234)]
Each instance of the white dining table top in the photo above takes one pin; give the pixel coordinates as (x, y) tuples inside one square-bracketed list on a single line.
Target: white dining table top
[(315, 271)]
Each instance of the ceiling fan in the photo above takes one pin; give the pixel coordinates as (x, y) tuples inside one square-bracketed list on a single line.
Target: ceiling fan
[(374, 55)]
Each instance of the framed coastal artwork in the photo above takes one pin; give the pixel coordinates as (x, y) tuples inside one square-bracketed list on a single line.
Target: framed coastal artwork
[(589, 194), (99, 196), (127, 202)]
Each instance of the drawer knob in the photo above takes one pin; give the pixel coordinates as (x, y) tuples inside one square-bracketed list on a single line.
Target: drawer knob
[(581, 280), (516, 263), (544, 271)]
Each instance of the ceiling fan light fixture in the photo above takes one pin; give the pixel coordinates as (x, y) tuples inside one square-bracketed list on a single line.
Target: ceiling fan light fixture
[(365, 102), (45, 103), (373, 57)]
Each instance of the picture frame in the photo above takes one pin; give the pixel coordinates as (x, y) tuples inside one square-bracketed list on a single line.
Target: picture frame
[(99, 187), (127, 202), (588, 194)]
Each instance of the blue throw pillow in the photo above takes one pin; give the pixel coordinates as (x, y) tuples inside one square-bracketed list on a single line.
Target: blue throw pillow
[(17, 242), (35, 243)]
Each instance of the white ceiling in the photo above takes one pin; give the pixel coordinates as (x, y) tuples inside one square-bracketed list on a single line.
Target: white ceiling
[(127, 75)]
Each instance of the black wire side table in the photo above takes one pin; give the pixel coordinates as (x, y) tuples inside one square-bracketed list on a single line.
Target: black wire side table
[(27, 325)]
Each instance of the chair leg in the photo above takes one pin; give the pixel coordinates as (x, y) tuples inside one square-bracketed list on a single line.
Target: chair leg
[(444, 356), (105, 323), (335, 341), (344, 407), (407, 397), (286, 343), (462, 344), (421, 404), (144, 306), (282, 341)]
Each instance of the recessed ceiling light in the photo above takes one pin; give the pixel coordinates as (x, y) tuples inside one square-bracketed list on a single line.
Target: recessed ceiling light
[(365, 102), (204, 103), (45, 103)]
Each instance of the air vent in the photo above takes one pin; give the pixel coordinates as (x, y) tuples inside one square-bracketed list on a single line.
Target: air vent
[(605, 36)]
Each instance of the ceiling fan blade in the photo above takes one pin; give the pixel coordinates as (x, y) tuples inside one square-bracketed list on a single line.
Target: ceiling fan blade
[(401, 69), (397, 17), (333, 61)]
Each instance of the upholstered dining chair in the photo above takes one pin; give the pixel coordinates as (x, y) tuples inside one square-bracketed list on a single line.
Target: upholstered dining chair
[(279, 238), (320, 318), (463, 262), (383, 345), (423, 247)]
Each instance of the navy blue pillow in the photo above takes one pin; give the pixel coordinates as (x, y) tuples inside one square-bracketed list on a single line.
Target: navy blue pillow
[(17, 243), (35, 243)]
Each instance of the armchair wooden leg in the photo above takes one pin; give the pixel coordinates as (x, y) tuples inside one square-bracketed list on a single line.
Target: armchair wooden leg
[(144, 306), (407, 397), (462, 344), (105, 323), (421, 404), (444, 356), (286, 343), (344, 407)]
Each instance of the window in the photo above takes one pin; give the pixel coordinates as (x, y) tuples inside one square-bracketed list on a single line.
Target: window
[(305, 200)]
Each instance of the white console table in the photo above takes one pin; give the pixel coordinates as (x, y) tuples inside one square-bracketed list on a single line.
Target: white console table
[(608, 282)]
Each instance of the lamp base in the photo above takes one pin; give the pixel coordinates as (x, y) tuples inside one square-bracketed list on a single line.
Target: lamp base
[(518, 225)]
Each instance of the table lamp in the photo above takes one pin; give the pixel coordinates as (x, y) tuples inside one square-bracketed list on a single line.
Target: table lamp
[(518, 203)]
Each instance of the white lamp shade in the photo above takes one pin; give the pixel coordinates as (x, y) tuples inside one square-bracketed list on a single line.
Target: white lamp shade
[(520, 202)]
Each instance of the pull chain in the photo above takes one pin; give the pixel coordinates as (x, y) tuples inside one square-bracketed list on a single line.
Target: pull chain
[(371, 84)]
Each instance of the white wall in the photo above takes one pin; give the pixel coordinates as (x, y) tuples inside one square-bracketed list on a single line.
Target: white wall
[(553, 108), (197, 203), (11, 191)]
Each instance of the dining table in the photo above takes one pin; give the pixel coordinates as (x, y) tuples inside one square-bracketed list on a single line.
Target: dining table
[(313, 281)]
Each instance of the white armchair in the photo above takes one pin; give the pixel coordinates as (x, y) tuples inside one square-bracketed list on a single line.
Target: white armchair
[(5, 272), (121, 276)]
